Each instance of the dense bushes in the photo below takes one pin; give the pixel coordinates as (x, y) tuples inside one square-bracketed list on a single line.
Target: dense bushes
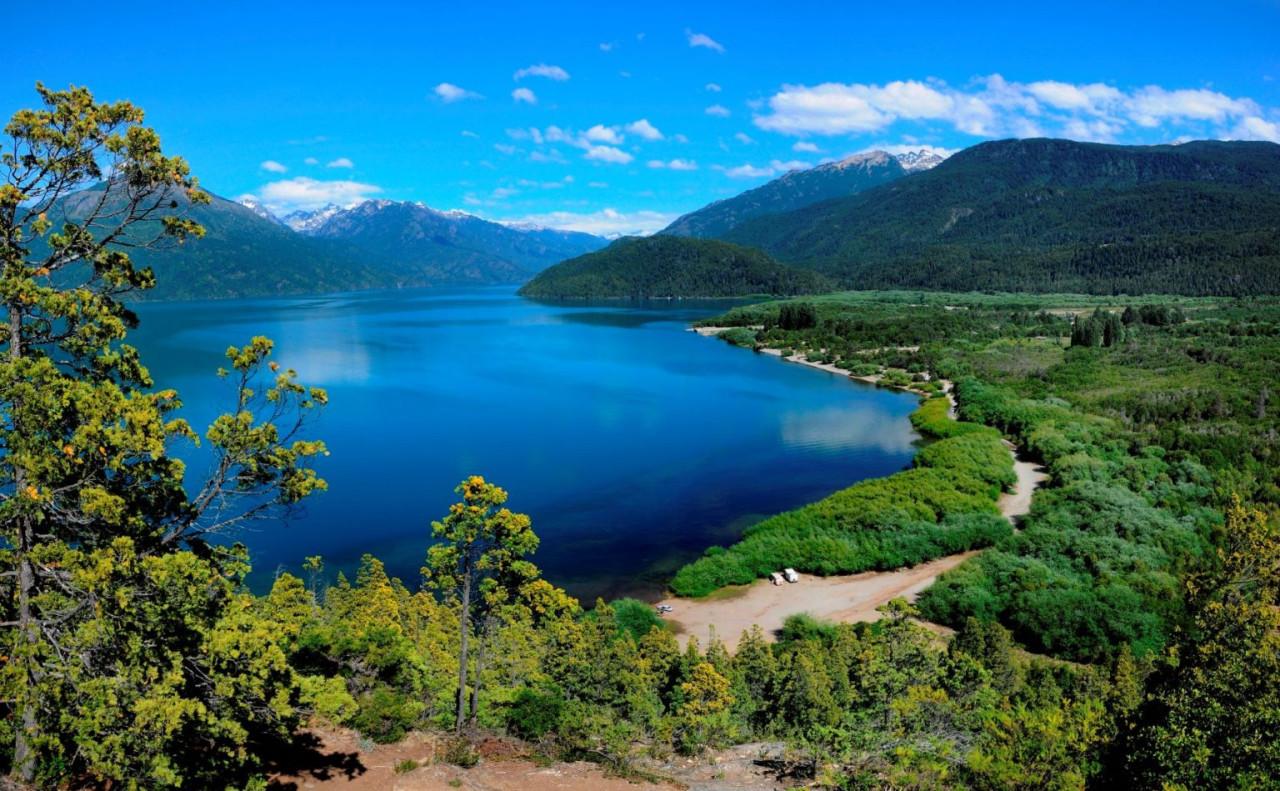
[(982, 455), (945, 505)]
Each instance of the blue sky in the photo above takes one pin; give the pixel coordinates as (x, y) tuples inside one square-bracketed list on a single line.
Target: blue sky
[(618, 117)]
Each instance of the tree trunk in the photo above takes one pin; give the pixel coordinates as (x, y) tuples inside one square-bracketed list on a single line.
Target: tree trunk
[(24, 758), (475, 683), (464, 619)]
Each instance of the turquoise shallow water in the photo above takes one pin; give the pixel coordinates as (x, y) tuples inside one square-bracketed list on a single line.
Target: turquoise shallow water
[(631, 443)]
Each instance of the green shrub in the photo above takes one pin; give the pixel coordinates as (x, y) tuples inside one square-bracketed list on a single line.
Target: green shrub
[(635, 617), (384, 716), (534, 714)]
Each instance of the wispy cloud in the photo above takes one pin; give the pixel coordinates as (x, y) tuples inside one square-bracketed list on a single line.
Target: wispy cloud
[(703, 40), (603, 134), (719, 110), (608, 154), (306, 193), (774, 168), (543, 70), (604, 222), (273, 166), (469, 133), (524, 95), (341, 162), (748, 172), (994, 107), (744, 138), (803, 146), (311, 161), (644, 129), (675, 164), (711, 86), (449, 93)]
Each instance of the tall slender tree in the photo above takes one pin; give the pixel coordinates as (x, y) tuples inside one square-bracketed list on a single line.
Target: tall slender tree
[(479, 562), (127, 650)]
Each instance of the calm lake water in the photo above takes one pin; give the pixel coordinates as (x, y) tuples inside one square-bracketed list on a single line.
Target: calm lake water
[(632, 444)]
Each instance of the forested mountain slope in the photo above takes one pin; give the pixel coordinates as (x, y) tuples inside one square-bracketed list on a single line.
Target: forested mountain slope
[(792, 190), (1052, 216)]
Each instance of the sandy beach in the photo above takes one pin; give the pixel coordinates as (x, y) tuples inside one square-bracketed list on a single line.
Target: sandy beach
[(843, 599)]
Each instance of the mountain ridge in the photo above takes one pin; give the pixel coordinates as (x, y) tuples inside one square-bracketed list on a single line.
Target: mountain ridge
[(1202, 217)]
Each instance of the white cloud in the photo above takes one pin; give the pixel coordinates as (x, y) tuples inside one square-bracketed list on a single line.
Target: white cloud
[(603, 222), (806, 147), (680, 138), (469, 133), (703, 40), (719, 111), (504, 148), (675, 164), (341, 162), (305, 193), (992, 106), (643, 128), (1153, 104), (311, 161), (603, 134), (449, 93), (744, 139), (608, 154), (550, 155), (502, 193), (600, 185), (748, 172), (543, 70), (794, 164), (1092, 98), (524, 95), (272, 166), (605, 47), (711, 86), (1255, 128)]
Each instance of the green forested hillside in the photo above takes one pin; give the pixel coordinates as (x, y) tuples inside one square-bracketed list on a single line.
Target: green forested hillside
[(670, 266), (1053, 216), (791, 191), (241, 254)]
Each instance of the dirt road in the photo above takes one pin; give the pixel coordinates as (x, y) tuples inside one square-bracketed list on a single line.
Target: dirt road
[(844, 599)]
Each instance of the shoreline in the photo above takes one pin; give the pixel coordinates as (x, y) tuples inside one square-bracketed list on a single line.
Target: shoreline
[(842, 598), (799, 359)]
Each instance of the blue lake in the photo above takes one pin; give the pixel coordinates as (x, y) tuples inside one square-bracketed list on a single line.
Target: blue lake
[(632, 444)]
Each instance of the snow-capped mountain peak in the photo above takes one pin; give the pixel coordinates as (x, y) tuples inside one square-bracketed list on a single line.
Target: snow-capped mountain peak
[(308, 222), (254, 205), (914, 161)]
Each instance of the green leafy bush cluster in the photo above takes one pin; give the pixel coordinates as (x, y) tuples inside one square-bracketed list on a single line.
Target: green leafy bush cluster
[(945, 505)]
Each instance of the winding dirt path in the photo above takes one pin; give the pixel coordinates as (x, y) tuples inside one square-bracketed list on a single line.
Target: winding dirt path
[(844, 599)]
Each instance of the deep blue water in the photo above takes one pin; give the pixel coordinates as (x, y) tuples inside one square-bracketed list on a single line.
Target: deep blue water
[(631, 443)]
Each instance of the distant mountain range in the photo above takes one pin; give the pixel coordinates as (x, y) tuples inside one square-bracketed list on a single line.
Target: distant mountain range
[(1051, 215), (797, 189), (248, 251), (1015, 215)]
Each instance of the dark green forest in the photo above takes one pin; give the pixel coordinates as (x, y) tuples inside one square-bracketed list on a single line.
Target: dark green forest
[(670, 266), (1201, 218)]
